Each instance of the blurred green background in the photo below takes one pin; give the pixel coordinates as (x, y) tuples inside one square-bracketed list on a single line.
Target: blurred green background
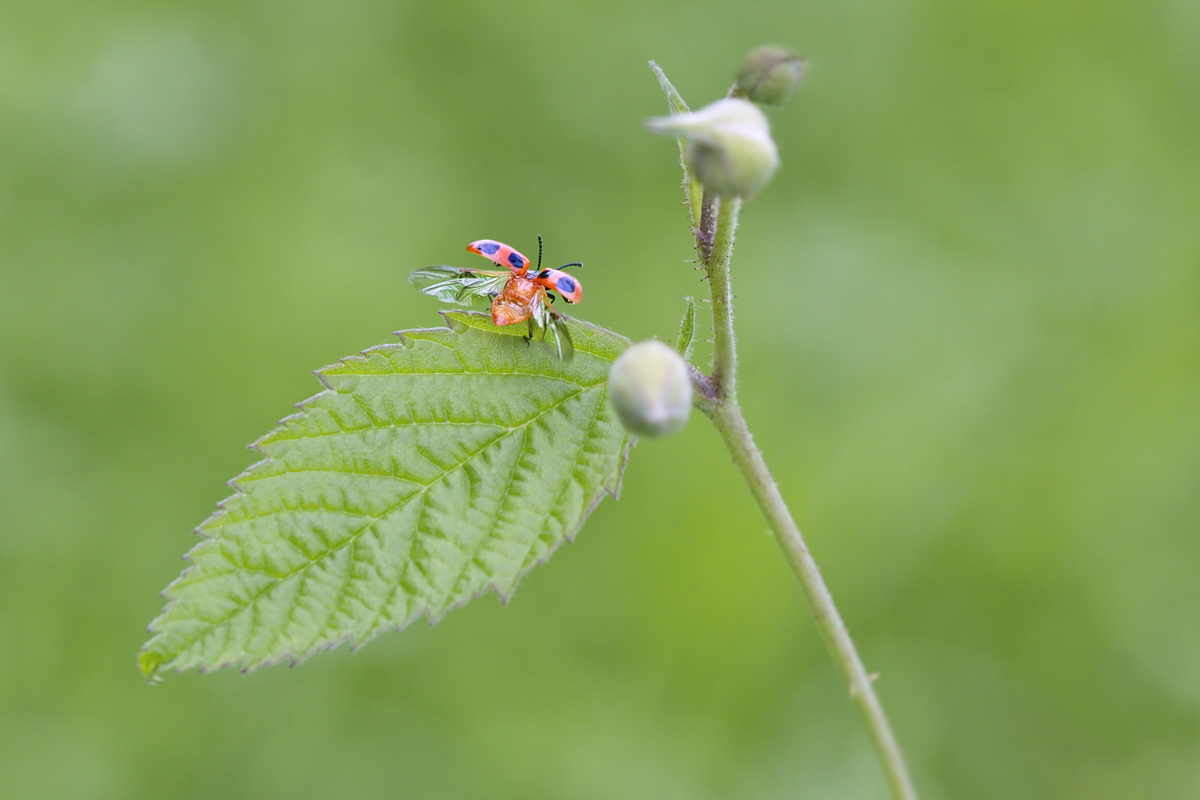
[(969, 308)]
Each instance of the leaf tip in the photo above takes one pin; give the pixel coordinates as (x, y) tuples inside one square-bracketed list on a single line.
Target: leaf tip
[(149, 663), (454, 321), (687, 329)]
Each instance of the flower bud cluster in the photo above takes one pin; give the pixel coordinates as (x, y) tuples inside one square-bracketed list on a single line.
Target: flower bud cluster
[(728, 143)]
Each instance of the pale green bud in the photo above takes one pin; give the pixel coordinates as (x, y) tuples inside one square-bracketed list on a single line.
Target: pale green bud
[(650, 389), (770, 75), (729, 145)]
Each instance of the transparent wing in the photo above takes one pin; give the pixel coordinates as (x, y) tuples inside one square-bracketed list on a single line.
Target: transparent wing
[(457, 285), (561, 336), (552, 330)]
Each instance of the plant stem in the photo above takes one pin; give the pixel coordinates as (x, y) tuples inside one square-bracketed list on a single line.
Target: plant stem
[(721, 406), (731, 424), (724, 370)]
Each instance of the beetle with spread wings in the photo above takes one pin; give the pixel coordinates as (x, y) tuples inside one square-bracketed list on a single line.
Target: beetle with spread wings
[(516, 293)]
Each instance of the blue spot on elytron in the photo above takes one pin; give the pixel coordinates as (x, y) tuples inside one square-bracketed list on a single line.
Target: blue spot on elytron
[(489, 248), (565, 285), (516, 259)]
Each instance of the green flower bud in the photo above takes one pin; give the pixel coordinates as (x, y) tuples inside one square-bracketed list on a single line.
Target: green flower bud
[(729, 145), (650, 389), (770, 75)]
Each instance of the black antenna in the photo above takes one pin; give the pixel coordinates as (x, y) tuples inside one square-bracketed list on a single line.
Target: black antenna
[(539, 266)]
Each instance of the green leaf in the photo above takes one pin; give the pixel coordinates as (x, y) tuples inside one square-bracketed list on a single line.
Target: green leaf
[(687, 330), (427, 472), (693, 192)]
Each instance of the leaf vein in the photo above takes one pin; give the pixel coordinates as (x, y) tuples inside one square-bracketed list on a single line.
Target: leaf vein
[(214, 626), (566, 483)]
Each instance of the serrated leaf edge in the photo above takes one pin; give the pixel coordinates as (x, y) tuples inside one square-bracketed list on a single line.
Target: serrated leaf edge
[(456, 321)]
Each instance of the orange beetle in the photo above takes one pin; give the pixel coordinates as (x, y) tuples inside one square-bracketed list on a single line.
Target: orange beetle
[(516, 294)]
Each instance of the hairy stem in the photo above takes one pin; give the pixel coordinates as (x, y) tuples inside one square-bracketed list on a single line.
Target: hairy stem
[(718, 400), (724, 370), (707, 226)]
